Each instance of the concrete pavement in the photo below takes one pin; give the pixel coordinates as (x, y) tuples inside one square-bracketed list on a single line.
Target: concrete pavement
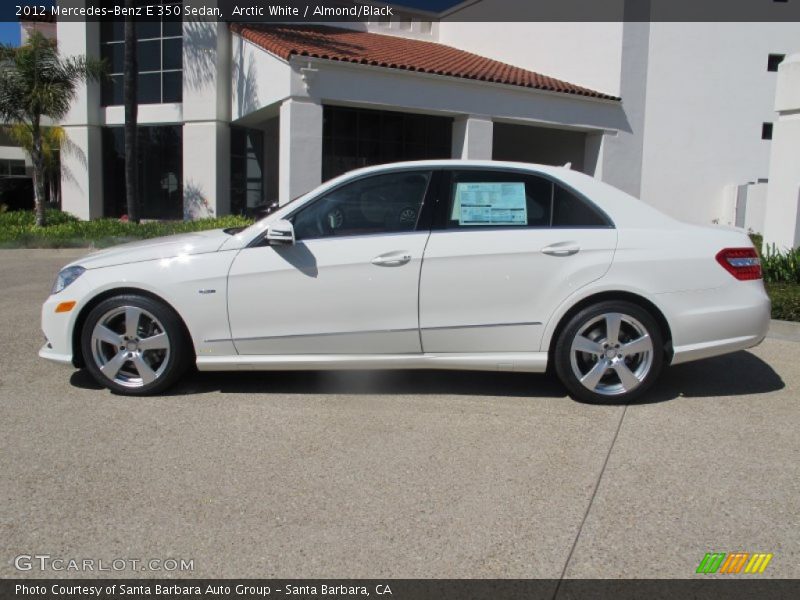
[(391, 474)]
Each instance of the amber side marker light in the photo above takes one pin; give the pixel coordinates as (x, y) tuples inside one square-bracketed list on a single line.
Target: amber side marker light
[(65, 306)]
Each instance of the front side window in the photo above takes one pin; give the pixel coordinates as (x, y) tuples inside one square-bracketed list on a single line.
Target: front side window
[(480, 199), (388, 203)]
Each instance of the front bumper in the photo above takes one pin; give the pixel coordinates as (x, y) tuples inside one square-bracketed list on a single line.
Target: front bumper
[(57, 328), (47, 352)]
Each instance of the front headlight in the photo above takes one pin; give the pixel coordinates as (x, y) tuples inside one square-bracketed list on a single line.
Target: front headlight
[(66, 277)]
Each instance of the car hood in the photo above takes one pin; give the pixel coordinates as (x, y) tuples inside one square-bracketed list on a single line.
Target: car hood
[(184, 244)]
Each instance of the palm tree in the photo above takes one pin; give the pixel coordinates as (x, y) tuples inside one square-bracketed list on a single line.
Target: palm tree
[(54, 141), (129, 76), (37, 83)]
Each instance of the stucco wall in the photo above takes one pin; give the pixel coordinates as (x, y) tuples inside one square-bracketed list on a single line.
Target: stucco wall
[(708, 92)]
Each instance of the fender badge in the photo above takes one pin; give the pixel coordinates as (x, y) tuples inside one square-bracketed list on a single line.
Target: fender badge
[(206, 291)]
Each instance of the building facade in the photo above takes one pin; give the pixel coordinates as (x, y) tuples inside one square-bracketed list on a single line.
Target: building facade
[(237, 116)]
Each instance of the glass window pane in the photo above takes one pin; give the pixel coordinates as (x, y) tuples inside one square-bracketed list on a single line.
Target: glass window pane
[(481, 198), (149, 91), (112, 30), (344, 123), (173, 53), (572, 211), (114, 54), (149, 28), (373, 205), (148, 55), (112, 90), (173, 25), (173, 86)]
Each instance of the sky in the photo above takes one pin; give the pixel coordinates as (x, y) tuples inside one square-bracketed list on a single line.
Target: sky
[(9, 30)]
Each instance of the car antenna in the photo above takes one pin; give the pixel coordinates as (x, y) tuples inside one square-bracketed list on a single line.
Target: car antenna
[(568, 165)]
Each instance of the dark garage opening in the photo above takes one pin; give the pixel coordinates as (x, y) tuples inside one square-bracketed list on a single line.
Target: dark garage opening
[(544, 145), (358, 137)]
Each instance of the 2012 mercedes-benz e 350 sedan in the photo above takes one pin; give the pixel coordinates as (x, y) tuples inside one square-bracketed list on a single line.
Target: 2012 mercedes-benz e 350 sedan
[(434, 264)]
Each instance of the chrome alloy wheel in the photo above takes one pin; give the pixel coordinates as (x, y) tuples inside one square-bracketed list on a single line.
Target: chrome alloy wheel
[(611, 354), (130, 346)]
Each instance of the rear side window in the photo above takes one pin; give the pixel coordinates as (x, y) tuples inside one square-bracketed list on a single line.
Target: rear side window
[(479, 199), (571, 211)]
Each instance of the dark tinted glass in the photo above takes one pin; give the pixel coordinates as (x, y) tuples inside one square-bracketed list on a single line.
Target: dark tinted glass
[(112, 30), (160, 172), (247, 175), (173, 86), (149, 28), (173, 53), (172, 25), (112, 90), (149, 91), (571, 211), (378, 204), (148, 55), (114, 54), (498, 199)]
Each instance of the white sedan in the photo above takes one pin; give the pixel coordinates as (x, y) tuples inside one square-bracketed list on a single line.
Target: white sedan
[(420, 265)]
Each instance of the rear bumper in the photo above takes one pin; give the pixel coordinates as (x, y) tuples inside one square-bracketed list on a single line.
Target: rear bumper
[(708, 323)]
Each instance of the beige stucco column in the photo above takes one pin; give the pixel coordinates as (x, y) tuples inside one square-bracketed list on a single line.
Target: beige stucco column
[(473, 137), (300, 151)]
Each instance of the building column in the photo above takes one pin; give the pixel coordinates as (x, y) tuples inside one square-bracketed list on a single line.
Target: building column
[(300, 152), (473, 137), (82, 156), (782, 219), (206, 169), (82, 172)]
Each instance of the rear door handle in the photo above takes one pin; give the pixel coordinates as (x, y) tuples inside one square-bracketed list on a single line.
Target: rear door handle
[(561, 249), (392, 259)]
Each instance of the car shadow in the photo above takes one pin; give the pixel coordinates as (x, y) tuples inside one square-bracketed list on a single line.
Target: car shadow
[(736, 374)]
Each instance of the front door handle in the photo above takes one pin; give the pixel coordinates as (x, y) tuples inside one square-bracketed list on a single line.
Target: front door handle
[(392, 259), (561, 249)]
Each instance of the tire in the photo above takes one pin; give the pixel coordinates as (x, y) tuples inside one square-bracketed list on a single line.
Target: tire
[(616, 369), (134, 345)]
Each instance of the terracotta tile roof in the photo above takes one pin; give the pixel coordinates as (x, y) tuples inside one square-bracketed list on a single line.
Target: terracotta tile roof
[(332, 43)]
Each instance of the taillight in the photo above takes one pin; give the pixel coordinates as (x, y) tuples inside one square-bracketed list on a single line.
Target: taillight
[(742, 263)]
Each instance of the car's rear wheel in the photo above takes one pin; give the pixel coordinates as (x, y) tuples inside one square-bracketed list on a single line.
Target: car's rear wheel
[(610, 352), (135, 345)]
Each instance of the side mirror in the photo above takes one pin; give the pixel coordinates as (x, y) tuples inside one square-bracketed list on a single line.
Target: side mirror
[(280, 233)]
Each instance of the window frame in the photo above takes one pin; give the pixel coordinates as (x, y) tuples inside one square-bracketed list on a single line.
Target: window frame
[(440, 218), (106, 45), (424, 219)]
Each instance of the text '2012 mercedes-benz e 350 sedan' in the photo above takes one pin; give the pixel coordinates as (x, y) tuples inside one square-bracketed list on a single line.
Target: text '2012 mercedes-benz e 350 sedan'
[(434, 264)]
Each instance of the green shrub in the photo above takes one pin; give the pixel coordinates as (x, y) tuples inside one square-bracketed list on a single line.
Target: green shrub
[(780, 266), (758, 241), (63, 230), (785, 301)]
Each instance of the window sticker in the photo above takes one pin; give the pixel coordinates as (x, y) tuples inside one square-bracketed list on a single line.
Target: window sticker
[(490, 204)]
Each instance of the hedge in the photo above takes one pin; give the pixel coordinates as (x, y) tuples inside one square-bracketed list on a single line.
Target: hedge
[(17, 230)]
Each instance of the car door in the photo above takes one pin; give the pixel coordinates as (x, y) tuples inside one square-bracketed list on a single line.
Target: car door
[(350, 282), (507, 247)]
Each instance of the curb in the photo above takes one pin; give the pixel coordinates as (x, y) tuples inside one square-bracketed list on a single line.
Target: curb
[(784, 330)]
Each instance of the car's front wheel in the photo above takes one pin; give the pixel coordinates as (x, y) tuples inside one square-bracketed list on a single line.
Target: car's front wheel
[(134, 345), (609, 352)]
